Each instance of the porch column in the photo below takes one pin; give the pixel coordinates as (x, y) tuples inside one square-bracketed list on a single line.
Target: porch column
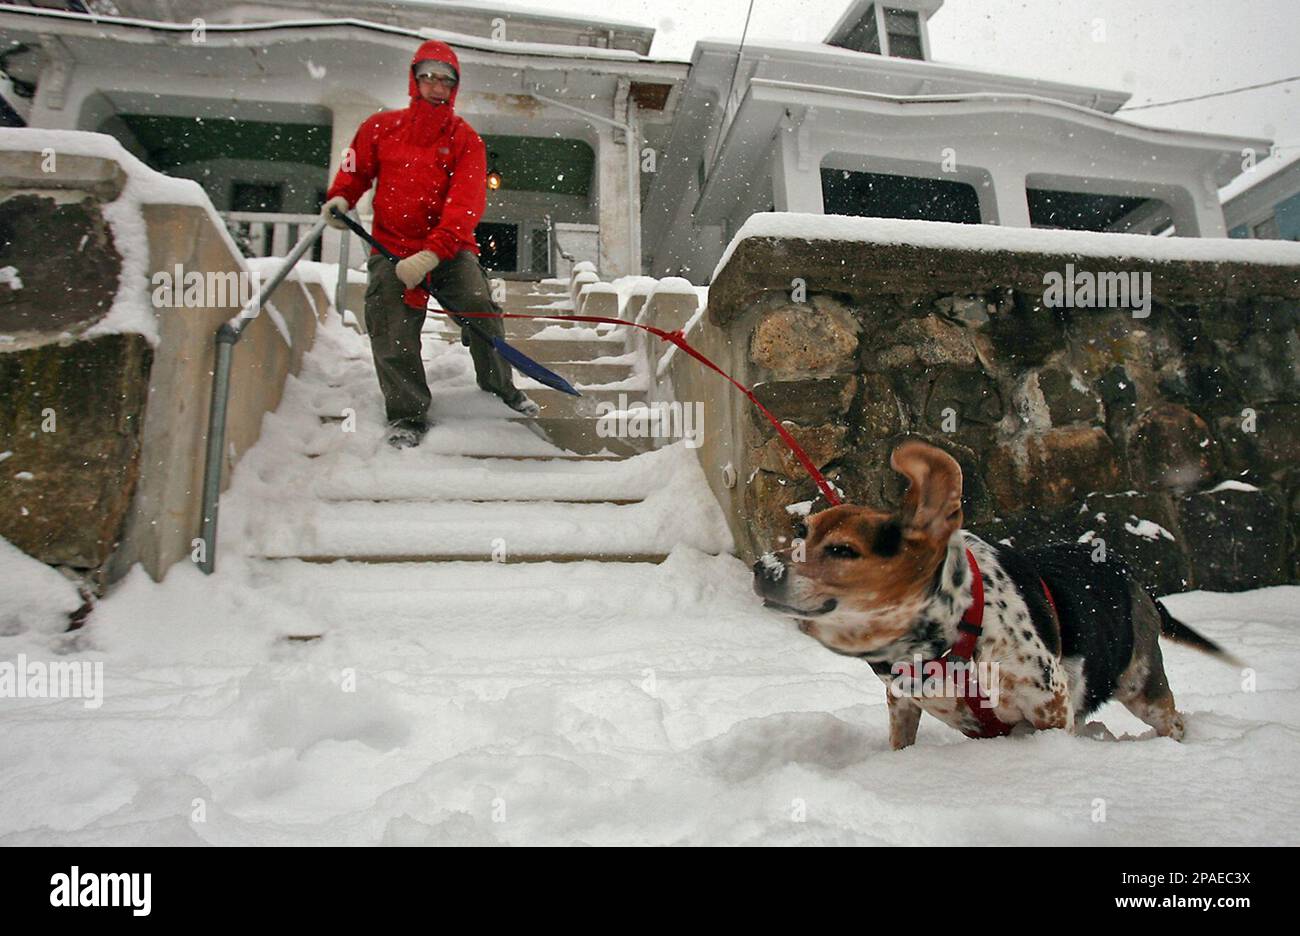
[(349, 111), (1008, 202), (796, 171), (617, 204), (1198, 213)]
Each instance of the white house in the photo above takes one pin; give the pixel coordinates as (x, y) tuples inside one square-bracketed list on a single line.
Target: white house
[(642, 164), (1265, 202), (865, 124), (257, 102)]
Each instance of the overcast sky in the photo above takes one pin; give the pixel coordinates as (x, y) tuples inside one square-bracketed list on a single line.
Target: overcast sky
[(1155, 49)]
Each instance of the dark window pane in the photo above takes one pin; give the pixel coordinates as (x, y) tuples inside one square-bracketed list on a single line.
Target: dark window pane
[(864, 37), (1078, 211), (257, 196), (1267, 228), (902, 23), (877, 195), (905, 46), (498, 246), (904, 29)]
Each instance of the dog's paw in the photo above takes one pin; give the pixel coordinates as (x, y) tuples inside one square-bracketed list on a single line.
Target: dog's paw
[(1096, 731)]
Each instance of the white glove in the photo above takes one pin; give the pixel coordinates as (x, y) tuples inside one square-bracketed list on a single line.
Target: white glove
[(416, 267), (339, 202)]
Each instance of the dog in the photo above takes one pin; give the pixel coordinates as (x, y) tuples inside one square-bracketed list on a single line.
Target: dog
[(1060, 633)]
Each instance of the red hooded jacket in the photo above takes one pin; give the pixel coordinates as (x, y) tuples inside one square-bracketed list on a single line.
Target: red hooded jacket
[(432, 173)]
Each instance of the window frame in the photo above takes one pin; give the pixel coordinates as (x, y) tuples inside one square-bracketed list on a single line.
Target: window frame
[(882, 28)]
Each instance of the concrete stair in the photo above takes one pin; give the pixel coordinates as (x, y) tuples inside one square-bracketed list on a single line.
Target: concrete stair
[(485, 510), (599, 367)]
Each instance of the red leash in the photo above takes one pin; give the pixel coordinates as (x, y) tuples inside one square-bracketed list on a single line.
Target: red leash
[(678, 338)]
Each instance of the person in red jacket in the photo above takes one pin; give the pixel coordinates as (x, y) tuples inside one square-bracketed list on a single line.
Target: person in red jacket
[(430, 172)]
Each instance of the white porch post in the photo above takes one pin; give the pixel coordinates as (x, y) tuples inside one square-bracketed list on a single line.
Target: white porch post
[(349, 111), (1008, 202), (796, 171), (625, 109), (1198, 213), (614, 206)]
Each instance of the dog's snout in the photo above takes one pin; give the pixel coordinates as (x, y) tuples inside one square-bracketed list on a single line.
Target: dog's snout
[(769, 568)]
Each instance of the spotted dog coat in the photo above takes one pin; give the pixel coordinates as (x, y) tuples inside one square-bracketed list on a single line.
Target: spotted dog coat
[(892, 587)]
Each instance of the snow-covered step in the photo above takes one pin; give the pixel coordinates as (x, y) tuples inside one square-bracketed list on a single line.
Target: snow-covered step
[(509, 531), (490, 479), (491, 438), (586, 349), (569, 424), (555, 330), (592, 403), (582, 435), (585, 373), (345, 592), (529, 289), (518, 328)]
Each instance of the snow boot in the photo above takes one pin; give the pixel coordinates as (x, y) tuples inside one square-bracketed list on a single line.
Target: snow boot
[(522, 404), (406, 433)]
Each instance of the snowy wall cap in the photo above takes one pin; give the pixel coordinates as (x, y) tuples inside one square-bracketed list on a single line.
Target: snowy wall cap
[(431, 68)]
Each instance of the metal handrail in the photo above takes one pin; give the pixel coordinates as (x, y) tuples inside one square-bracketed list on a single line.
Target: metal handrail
[(553, 245), (227, 337)]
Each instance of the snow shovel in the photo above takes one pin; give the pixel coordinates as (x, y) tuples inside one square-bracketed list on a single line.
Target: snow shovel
[(517, 359)]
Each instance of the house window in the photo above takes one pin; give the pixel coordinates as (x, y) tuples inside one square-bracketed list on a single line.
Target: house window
[(882, 195), (865, 36), (257, 196), (903, 28), (1078, 211), (1267, 229)]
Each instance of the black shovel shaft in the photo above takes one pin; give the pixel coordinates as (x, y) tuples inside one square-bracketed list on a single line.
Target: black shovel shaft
[(365, 235)]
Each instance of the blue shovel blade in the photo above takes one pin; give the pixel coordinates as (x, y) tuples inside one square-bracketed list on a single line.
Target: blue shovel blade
[(530, 368)]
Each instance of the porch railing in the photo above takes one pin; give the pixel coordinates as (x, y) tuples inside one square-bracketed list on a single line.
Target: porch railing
[(273, 234)]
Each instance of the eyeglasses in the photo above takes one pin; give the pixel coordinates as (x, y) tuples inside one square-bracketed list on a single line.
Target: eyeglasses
[(437, 79)]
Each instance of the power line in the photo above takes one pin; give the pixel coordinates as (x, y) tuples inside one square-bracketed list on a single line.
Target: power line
[(1202, 97), (731, 87)]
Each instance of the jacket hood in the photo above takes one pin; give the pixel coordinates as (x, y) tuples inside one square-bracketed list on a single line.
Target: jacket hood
[(440, 52)]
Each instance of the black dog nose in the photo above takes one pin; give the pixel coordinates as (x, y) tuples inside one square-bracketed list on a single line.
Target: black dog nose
[(769, 568)]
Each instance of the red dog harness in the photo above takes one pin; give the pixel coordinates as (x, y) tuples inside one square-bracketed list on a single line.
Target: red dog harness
[(960, 656)]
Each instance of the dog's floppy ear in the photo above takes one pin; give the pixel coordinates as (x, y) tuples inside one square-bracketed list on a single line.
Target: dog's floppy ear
[(932, 504)]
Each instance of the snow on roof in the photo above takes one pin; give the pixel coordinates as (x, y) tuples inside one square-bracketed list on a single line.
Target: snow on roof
[(508, 47), (578, 19), (949, 235), (1109, 99), (131, 310), (1265, 169), (461, 40)]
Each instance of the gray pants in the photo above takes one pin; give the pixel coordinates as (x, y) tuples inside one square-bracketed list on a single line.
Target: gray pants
[(458, 284)]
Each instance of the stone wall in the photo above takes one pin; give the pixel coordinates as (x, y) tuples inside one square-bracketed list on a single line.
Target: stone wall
[(102, 435), (1068, 423)]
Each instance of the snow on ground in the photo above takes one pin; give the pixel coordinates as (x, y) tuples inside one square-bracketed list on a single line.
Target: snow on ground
[(567, 703)]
